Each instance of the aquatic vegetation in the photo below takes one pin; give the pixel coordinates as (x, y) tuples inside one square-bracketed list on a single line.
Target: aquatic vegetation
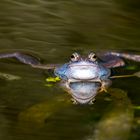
[(117, 122)]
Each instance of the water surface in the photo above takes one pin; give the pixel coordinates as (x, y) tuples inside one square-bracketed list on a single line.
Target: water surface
[(53, 29)]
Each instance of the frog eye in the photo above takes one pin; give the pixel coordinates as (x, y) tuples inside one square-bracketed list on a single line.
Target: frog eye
[(92, 57), (75, 57)]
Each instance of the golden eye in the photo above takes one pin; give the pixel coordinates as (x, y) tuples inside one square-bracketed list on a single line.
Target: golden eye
[(92, 57), (75, 57)]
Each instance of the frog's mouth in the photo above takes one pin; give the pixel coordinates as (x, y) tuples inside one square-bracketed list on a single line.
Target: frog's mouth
[(83, 91), (83, 72)]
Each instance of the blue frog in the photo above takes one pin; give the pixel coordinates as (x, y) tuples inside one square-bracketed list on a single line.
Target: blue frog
[(82, 77)]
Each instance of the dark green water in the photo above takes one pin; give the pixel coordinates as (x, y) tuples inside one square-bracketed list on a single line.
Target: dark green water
[(53, 29)]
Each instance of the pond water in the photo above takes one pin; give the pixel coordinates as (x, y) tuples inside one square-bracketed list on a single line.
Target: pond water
[(53, 29)]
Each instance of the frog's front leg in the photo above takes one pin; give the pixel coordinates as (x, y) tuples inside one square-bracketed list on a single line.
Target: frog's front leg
[(22, 57)]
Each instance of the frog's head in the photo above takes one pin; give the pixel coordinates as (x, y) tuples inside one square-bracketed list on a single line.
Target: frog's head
[(82, 76)]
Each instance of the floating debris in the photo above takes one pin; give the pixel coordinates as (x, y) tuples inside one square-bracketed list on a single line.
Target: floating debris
[(137, 74), (52, 79), (9, 77)]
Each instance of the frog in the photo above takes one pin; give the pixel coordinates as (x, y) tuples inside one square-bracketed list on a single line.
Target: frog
[(83, 77)]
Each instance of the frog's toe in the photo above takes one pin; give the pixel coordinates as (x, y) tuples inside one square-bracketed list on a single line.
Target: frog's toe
[(103, 89), (74, 101), (91, 102)]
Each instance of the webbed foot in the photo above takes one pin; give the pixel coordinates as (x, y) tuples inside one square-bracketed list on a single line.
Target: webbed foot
[(104, 85), (92, 101), (74, 101), (103, 89)]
